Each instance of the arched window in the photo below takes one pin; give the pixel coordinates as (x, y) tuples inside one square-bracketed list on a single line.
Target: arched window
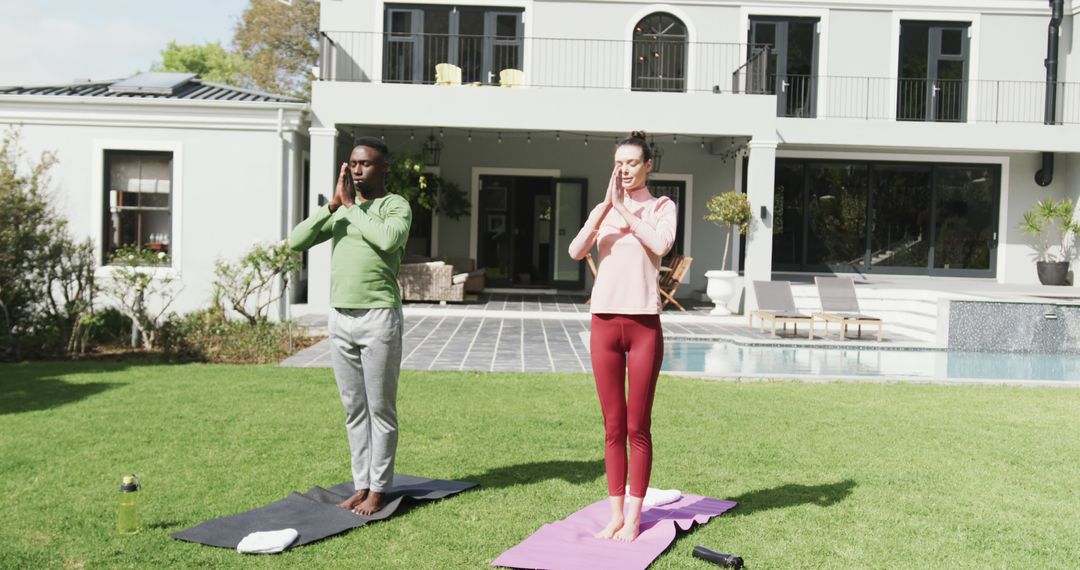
[(659, 54)]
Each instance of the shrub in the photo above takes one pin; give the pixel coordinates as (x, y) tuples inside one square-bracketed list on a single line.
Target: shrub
[(143, 294), (206, 336), (47, 282), (248, 285)]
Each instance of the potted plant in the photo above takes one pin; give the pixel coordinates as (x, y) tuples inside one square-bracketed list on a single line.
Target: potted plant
[(1045, 220), (730, 210)]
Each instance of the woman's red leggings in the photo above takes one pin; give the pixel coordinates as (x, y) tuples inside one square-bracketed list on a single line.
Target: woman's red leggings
[(618, 343)]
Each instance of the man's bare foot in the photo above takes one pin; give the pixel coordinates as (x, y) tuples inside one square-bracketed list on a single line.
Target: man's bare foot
[(372, 504), (610, 530), (628, 532), (355, 500)]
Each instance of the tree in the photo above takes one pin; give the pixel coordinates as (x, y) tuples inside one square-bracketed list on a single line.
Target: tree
[(280, 43), (211, 61), (46, 277)]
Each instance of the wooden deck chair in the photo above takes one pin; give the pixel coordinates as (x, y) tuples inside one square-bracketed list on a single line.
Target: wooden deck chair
[(840, 305), (671, 280), (592, 269), (511, 78), (777, 305), (447, 74)]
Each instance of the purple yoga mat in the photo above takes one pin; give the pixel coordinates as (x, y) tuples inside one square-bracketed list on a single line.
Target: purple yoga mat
[(569, 544)]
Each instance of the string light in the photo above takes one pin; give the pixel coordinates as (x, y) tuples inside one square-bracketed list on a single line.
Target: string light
[(412, 135), (470, 135), (557, 137), (500, 137), (586, 140), (528, 138), (440, 132), (674, 139), (702, 143)]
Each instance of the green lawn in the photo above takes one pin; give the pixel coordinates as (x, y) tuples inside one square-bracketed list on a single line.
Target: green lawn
[(828, 475)]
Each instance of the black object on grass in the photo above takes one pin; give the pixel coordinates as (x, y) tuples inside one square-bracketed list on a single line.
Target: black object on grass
[(725, 560)]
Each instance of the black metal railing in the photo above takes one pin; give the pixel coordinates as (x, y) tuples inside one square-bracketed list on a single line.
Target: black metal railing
[(675, 66), (639, 65)]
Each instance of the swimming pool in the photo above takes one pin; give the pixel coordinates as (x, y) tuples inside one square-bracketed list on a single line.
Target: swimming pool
[(731, 359)]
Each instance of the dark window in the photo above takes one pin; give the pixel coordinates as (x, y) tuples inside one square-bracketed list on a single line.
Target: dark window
[(481, 41), (933, 71), (659, 54), (138, 203), (676, 191), (916, 218), (791, 68)]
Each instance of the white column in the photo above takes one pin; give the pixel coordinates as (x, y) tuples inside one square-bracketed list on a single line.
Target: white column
[(323, 171), (760, 183)]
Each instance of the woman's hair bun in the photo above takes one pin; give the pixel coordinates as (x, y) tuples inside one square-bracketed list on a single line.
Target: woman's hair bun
[(637, 135)]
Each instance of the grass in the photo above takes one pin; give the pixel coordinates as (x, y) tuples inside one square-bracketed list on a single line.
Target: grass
[(828, 475)]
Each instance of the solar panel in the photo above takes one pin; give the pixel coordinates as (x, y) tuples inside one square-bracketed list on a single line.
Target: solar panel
[(152, 83)]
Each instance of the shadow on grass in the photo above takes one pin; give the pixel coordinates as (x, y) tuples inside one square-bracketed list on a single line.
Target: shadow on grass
[(575, 472), (32, 387), (792, 495)]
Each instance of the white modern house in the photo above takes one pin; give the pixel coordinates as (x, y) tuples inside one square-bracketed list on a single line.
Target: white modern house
[(872, 137), (194, 170)]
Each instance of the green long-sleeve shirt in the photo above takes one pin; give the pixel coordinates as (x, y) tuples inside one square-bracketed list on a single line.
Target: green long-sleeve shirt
[(369, 242)]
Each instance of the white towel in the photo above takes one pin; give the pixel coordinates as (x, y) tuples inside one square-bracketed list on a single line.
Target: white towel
[(269, 542), (658, 497)]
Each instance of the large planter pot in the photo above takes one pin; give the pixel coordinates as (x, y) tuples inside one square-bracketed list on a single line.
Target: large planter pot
[(720, 290), (1052, 272)]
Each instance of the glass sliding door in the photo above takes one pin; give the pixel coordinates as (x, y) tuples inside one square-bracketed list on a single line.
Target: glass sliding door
[(836, 216), (900, 217), (932, 75), (965, 220), (792, 62), (789, 213), (570, 213), (906, 218)]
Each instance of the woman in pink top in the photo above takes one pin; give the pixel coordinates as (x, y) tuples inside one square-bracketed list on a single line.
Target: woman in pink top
[(633, 231)]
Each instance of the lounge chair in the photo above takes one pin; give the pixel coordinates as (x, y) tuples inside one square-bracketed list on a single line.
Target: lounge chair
[(840, 305), (671, 280), (777, 305)]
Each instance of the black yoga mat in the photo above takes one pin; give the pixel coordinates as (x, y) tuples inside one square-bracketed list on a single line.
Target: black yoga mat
[(315, 514)]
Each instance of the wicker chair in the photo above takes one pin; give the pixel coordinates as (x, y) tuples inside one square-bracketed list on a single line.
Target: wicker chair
[(429, 282)]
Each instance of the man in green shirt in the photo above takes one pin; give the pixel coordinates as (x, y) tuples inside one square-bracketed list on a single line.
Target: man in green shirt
[(369, 228)]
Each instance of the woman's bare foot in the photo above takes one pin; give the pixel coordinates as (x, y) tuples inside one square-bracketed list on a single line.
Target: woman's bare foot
[(372, 504), (610, 530), (616, 504), (355, 500), (628, 532), (632, 526)]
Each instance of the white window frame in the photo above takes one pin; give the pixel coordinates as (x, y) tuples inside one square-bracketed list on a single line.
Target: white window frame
[(97, 178)]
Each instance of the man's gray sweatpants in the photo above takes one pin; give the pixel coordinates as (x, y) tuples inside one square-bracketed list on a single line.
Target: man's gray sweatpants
[(367, 359)]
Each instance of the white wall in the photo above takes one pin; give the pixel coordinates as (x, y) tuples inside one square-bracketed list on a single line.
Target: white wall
[(228, 189)]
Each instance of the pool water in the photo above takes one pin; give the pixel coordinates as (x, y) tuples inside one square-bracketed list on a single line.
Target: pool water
[(729, 359)]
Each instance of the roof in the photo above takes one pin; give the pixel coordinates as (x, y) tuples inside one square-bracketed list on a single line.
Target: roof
[(184, 86)]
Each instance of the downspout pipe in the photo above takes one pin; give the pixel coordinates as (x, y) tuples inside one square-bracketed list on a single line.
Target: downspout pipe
[(1045, 175)]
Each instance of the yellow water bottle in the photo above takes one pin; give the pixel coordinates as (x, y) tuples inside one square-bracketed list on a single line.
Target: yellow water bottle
[(127, 522)]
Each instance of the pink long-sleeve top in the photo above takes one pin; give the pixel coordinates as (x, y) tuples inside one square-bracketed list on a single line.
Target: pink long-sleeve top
[(627, 278)]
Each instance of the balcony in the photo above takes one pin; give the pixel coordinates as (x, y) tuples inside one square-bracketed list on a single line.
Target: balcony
[(639, 65), (905, 99)]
